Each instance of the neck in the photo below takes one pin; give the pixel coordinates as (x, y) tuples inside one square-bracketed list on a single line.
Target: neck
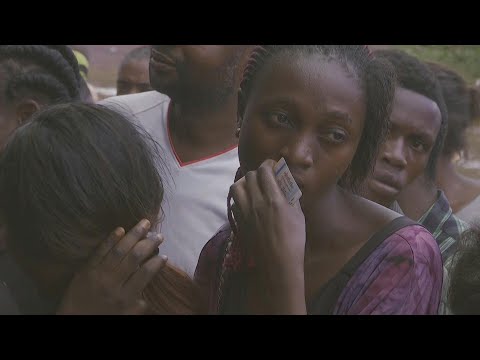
[(202, 131), (418, 197), (322, 221)]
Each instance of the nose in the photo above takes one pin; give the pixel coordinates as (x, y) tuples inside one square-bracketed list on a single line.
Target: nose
[(298, 153), (394, 153)]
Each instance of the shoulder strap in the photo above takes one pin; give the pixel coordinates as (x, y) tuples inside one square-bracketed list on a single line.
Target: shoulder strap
[(324, 303)]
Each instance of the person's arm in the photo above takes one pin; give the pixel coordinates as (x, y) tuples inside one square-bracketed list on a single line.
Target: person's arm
[(113, 280), (275, 236)]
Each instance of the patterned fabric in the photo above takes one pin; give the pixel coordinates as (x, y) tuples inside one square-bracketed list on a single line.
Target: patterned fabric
[(401, 276), (446, 228)]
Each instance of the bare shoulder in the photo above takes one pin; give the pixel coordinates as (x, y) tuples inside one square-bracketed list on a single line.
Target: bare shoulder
[(365, 218), (370, 210)]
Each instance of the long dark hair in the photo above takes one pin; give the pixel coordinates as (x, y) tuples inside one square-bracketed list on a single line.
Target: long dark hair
[(73, 174)]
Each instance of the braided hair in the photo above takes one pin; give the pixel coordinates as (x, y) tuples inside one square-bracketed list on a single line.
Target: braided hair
[(376, 79), (50, 70)]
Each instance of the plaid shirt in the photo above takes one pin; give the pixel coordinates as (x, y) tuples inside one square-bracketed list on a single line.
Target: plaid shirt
[(446, 228)]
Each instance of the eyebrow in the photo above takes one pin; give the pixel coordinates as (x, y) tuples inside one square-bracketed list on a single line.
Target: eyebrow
[(415, 131), (284, 100), (333, 114), (338, 115), (425, 136)]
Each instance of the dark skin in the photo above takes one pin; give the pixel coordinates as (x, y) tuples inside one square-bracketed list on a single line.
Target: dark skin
[(459, 189), (111, 282), (15, 113), (404, 156), (133, 78), (418, 197), (199, 126), (311, 113)]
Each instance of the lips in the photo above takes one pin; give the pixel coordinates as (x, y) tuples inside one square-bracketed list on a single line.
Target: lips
[(385, 184), (389, 180)]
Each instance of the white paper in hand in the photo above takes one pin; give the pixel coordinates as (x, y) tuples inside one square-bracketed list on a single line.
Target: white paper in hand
[(287, 183)]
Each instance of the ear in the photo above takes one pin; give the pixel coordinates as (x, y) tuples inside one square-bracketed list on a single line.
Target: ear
[(241, 107), (24, 109)]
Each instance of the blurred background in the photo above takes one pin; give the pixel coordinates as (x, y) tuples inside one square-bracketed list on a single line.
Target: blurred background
[(105, 60)]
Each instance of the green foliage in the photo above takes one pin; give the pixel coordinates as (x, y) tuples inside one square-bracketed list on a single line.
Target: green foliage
[(463, 58)]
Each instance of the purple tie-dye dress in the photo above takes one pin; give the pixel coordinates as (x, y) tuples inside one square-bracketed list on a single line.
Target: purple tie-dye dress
[(403, 275)]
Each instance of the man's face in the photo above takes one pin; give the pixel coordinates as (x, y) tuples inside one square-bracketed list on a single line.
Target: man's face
[(415, 124)]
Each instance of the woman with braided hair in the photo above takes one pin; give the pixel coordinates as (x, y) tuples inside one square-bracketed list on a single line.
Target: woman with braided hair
[(31, 77), (325, 110)]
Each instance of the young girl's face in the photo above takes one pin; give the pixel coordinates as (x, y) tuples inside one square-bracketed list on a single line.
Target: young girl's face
[(309, 111)]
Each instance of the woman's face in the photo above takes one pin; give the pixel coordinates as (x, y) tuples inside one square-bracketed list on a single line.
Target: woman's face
[(309, 111)]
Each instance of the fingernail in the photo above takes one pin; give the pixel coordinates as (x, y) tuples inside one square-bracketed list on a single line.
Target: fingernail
[(164, 257), (145, 224), (119, 232)]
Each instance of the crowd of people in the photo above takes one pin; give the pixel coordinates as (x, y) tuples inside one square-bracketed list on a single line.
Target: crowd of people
[(164, 199)]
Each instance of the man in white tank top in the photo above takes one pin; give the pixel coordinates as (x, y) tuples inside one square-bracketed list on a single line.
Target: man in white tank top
[(196, 127)]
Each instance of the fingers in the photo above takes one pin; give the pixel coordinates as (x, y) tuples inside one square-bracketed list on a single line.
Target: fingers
[(142, 277), (122, 248), (239, 219), (139, 254), (140, 307), (240, 197), (253, 189), (106, 246), (267, 181)]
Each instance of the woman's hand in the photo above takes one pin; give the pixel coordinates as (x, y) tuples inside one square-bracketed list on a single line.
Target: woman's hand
[(113, 280), (275, 235)]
